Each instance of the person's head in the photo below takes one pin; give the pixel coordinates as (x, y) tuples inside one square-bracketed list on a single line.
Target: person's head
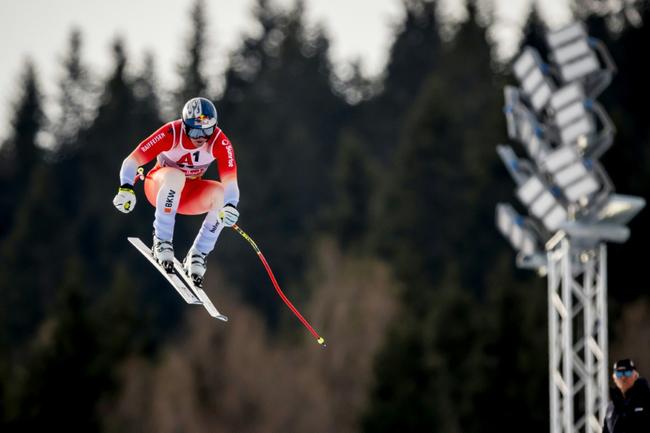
[(199, 120), (624, 374)]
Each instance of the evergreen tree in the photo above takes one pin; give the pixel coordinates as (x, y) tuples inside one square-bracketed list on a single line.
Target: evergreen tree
[(514, 337), (432, 374), (444, 166), (127, 114), (76, 108), (357, 87), (25, 191), (533, 34), (284, 127), (21, 152), (413, 56), (60, 384), (354, 188), (29, 258), (617, 15), (478, 125), (190, 72), (123, 120), (247, 62), (628, 160), (145, 89), (123, 324), (76, 101), (430, 377), (464, 354), (28, 121), (420, 225)]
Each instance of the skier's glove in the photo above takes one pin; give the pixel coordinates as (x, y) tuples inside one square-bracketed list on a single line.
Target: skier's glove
[(124, 201), (228, 215)]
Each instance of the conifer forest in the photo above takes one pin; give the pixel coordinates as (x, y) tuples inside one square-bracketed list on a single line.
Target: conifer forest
[(373, 199)]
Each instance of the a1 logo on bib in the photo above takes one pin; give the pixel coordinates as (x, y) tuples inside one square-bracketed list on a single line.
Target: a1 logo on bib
[(186, 160)]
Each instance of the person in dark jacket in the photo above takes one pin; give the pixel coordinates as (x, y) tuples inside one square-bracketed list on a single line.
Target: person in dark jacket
[(629, 408)]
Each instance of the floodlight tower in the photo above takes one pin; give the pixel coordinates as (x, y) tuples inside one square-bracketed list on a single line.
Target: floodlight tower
[(573, 212)]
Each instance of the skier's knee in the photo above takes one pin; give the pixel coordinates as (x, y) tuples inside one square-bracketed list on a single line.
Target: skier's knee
[(174, 178), (216, 197)]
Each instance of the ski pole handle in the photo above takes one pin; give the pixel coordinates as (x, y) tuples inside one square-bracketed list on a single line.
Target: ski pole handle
[(139, 175)]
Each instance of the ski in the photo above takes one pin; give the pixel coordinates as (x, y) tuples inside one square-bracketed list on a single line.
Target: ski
[(175, 278), (180, 281), (203, 297)]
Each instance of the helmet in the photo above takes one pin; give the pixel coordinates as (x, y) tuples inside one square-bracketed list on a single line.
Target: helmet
[(199, 118)]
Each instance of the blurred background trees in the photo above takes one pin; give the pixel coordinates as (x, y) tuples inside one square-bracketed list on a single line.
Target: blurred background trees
[(375, 211)]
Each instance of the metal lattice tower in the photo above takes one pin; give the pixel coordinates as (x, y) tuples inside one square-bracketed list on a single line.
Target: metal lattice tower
[(577, 317), (572, 212)]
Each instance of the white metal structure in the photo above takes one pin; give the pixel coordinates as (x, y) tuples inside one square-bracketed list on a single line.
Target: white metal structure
[(580, 58), (570, 174), (573, 212), (577, 318), (523, 237), (523, 125), (535, 83)]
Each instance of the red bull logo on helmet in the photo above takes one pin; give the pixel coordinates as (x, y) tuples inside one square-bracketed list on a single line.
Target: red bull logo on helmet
[(204, 120)]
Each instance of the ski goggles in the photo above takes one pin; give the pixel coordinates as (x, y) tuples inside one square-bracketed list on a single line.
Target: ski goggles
[(199, 132), (620, 373)]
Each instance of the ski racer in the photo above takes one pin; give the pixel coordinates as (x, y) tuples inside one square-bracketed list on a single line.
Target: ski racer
[(184, 149)]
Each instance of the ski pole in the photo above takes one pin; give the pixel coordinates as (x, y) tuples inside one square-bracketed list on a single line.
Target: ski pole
[(295, 311), (139, 176)]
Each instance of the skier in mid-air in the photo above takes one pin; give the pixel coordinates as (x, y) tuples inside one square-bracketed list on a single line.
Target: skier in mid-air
[(184, 149)]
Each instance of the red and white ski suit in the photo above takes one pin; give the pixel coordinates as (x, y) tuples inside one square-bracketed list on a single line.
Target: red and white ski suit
[(172, 148)]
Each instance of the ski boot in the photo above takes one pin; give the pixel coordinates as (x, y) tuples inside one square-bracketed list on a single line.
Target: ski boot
[(163, 252), (195, 265)]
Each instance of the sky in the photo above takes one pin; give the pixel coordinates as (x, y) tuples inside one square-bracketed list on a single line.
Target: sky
[(39, 30)]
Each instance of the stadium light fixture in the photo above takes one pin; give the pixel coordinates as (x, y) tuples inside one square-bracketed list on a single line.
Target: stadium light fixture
[(575, 54), (542, 202), (519, 169), (571, 207), (608, 222), (619, 209), (521, 234), (577, 119), (578, 179), (512, 226), (532, 74), (534, 192), (523, 126), (570, 114)]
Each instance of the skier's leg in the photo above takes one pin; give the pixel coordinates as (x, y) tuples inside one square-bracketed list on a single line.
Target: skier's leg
[(163, 188), (202, 196), (208, 233)]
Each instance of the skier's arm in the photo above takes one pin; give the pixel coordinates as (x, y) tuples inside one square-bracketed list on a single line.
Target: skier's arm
[(225, 156), (147, 150)]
